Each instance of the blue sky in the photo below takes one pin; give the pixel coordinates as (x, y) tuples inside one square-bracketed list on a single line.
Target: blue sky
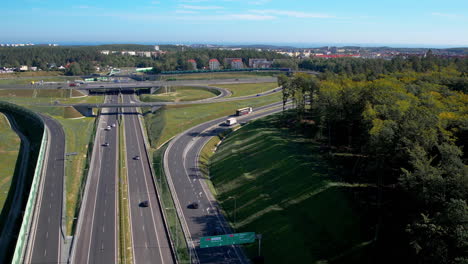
[(397, 22)]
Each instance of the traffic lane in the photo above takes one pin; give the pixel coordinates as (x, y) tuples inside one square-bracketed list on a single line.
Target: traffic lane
[(198, 220), (50, 212), (146, 247), (103, 245), (89, 249), (187, 189), (86, 219), (150, 235)]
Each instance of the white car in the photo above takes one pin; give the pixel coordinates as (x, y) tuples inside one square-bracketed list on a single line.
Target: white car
[(113, 125), (108, 128)]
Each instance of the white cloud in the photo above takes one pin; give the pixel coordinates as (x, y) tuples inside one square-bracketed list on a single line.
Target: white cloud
[(227, 17), (446, 15), (179, 11), (296, 14), (259, 2), (200, 7)]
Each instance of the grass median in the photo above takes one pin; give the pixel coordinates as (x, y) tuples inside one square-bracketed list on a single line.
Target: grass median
[(175, 228), (243, 89), (125, 240), (178, 94)]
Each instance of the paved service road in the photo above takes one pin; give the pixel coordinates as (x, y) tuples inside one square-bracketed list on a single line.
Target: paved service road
[(46, 236), (133, 84), (181, 167), (149, 235), (96, 240)]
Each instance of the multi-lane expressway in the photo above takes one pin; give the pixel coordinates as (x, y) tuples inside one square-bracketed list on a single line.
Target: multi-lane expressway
[(97, 235)]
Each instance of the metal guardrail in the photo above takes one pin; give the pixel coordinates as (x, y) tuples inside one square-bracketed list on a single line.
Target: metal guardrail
[(24, 233)]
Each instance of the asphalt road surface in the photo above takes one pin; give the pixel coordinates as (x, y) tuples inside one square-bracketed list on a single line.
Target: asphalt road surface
[(133, 84), (46, 235), (97, 240), (149, 235), (137, 103), (181, 167)]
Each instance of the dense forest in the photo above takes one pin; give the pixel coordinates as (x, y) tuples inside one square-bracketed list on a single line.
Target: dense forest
[(403, 126)]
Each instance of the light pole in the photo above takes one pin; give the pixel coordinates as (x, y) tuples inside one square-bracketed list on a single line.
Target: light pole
[(235, 210)]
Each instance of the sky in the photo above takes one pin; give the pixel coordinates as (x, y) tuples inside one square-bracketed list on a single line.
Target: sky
[(366, 22)]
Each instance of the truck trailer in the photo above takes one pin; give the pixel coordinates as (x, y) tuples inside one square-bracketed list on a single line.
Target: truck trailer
[(244, 111)]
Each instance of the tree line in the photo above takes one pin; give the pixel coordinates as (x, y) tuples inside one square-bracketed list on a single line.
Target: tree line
[(405, 132)]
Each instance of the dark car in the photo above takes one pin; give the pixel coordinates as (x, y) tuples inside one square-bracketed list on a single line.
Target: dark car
[(193, 205), (105, 144), (144, 204), (136, 157)]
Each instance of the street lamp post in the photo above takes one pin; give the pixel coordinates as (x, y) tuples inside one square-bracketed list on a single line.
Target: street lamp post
[(235, 209)]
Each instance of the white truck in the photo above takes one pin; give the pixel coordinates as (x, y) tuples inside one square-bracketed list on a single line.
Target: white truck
[(231, 121)]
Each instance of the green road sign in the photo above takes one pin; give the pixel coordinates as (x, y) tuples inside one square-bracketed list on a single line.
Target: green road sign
[(230, 239)]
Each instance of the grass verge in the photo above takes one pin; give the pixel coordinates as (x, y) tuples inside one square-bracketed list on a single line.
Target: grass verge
[(125, 240), (275, 182), (247, 88), (178, 94), (171, 120), (9, 150), (78, 136), (175, 228)]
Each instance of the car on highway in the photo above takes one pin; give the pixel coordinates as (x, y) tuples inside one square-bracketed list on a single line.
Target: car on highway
[(144, 204), (113, 125), (193, 205), (106, 144), (136, 157), (108, 128)]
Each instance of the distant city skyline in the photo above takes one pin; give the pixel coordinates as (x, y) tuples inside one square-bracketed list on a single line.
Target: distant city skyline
[(299, 23)]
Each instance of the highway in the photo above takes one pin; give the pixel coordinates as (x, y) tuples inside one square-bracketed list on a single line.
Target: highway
[(135, 84), (136, 103), (48, 220), (97, 240), (149, 235), (187, 185)]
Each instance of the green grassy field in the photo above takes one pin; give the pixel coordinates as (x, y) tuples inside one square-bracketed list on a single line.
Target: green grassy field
[(78, 133), (39, 100), (9, 148), (167, 123), (247, 88), (220, 75), (28, 80), (277, 184), (177, 94), (32, 74)]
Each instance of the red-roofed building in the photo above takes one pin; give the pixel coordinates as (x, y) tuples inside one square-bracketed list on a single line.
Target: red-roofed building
[(214, 64), (237, 64), (193, 64)]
